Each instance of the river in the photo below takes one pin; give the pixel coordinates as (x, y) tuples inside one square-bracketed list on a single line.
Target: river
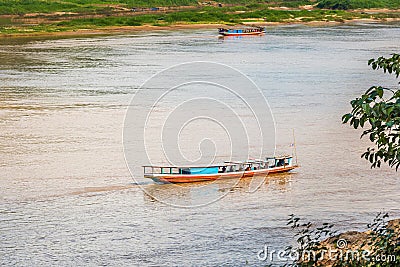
[(67, 197)]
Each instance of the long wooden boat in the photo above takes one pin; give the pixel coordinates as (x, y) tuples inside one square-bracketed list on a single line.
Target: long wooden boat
[(228, 170), (241, 32)]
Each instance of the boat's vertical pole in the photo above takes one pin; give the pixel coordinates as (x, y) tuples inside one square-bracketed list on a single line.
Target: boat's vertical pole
[(294, 146)]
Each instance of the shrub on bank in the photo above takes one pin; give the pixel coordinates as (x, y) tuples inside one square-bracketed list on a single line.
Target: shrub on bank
[(355, 4)]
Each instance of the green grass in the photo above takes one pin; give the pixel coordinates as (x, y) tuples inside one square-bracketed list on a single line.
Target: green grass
[(49, 6), (355, 4), (215, 16), (20, 7)]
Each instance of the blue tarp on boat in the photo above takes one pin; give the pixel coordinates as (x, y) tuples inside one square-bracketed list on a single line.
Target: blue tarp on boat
[(210, 170)]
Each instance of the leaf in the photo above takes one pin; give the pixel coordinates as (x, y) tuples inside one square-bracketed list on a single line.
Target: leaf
[(379, 90), (346, 117), (370, 61), (356, 122)]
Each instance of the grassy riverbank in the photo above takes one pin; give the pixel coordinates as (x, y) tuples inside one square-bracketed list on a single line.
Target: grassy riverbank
[(39, 16)]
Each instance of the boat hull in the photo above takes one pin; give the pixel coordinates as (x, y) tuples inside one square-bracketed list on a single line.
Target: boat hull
[(241, 34), (181, 178)]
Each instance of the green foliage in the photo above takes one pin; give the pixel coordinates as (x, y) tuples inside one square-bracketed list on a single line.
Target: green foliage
[(384, 240), (83, 6), (30, 6), (354, 4), (204, 15), (335, 4), (308, 241), (46, 6), (381, 240), (378, 110), (111, 21), (154, 19)]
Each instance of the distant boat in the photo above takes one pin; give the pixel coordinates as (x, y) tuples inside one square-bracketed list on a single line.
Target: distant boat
[(228, 170), (241, 32)]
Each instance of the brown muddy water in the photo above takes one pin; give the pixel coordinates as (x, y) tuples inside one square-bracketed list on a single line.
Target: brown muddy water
[(66, 194)]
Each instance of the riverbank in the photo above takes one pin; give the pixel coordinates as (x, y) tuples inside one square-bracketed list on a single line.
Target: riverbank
[(376, 245), (182, 26), (189, 17)]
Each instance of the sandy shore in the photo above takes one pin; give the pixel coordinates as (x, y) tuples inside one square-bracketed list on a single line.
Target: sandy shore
[(116, 30)]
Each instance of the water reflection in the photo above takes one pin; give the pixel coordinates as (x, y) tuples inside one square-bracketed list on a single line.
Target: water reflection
[(191, 194)]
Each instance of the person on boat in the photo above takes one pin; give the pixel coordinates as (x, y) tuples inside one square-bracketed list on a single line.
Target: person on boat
[(281, 162)]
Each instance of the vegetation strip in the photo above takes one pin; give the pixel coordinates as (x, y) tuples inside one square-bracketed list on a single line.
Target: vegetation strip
[(40, 16)]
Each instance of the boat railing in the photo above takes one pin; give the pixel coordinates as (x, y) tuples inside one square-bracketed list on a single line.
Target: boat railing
[(150, 169), (160, 170), (228, 166)]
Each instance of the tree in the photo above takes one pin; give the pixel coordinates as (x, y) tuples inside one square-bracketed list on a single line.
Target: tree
[(378, 110), (335, 4)]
